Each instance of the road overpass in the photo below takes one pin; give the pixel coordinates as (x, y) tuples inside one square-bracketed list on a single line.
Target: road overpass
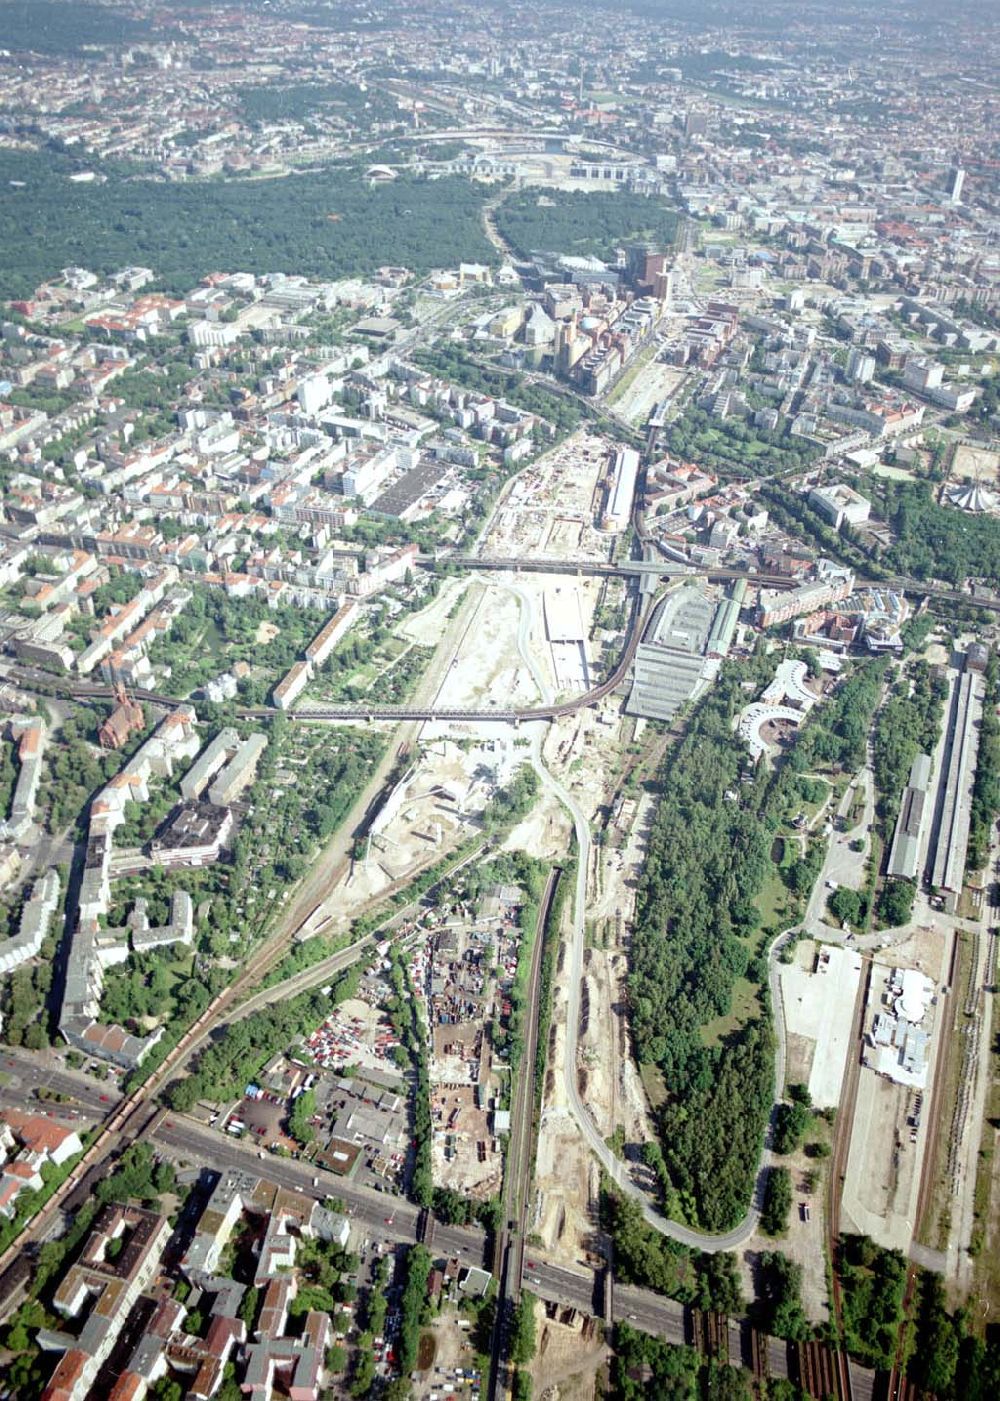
[(642, 608)]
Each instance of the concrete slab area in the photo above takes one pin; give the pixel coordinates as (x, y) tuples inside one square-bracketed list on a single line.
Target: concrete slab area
[(883, 1169), (818, 994)]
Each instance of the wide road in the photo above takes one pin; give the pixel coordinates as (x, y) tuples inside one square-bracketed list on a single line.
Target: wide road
[(649, 1312), (381, 1214), (386, 1217), (25, 1073), (561, 1285)]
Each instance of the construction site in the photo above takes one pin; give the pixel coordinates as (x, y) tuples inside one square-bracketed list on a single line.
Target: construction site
[(463, 969), (508, 640), (433, 807), (553, 508), (586, 751), (890, 1132)]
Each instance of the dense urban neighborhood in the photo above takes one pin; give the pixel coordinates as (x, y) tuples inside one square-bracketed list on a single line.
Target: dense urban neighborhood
[(499, 701)]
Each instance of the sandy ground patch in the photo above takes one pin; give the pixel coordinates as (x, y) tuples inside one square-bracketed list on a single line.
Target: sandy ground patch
[(799, 1053), (923, 948), (365, 881), (584, 749), (266, 632), (486, 669), (651, 385), (450, 1349), (976, 463), (569, 1354), (544, 832), (566, 1177), (425, 628), (609, 1078), (598, 1081), (937, 654), (613, 1087), (894, 474), (803, 1241)]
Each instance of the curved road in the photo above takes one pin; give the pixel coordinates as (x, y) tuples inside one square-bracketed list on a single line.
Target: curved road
[(524, 630), (612, 1165)]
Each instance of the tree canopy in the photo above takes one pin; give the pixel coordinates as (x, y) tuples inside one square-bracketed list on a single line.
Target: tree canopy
[(328, 223), (932, 541), (581, 222), (707, 857)]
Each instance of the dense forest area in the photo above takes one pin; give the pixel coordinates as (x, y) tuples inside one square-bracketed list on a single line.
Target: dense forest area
[(644, 1366), (872, 1283), (325, 224), (698, 931), (695, 919), (947, 1360), (51, 27), (779, 1310), (837, 734), (944, 1358), (582, 223), (297, 102), (645, 1258), (932, 541)]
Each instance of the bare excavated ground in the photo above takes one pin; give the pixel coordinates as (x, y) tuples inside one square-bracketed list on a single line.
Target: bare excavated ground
[(570, 1353), (976, 463), (564, 1212), (551, 507), (584, 751)]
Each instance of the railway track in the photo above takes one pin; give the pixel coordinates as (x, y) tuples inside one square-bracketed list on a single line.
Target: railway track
[(637, 625), (131, 1114), (898, 1385), (81, 690), (822, 1372), (838, 1168), (509, 1246), (759, 1360), (710, 1334), (901, 1388), (641, 610)]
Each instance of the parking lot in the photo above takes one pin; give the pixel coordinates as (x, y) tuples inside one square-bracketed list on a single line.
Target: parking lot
[(356, 1034)]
